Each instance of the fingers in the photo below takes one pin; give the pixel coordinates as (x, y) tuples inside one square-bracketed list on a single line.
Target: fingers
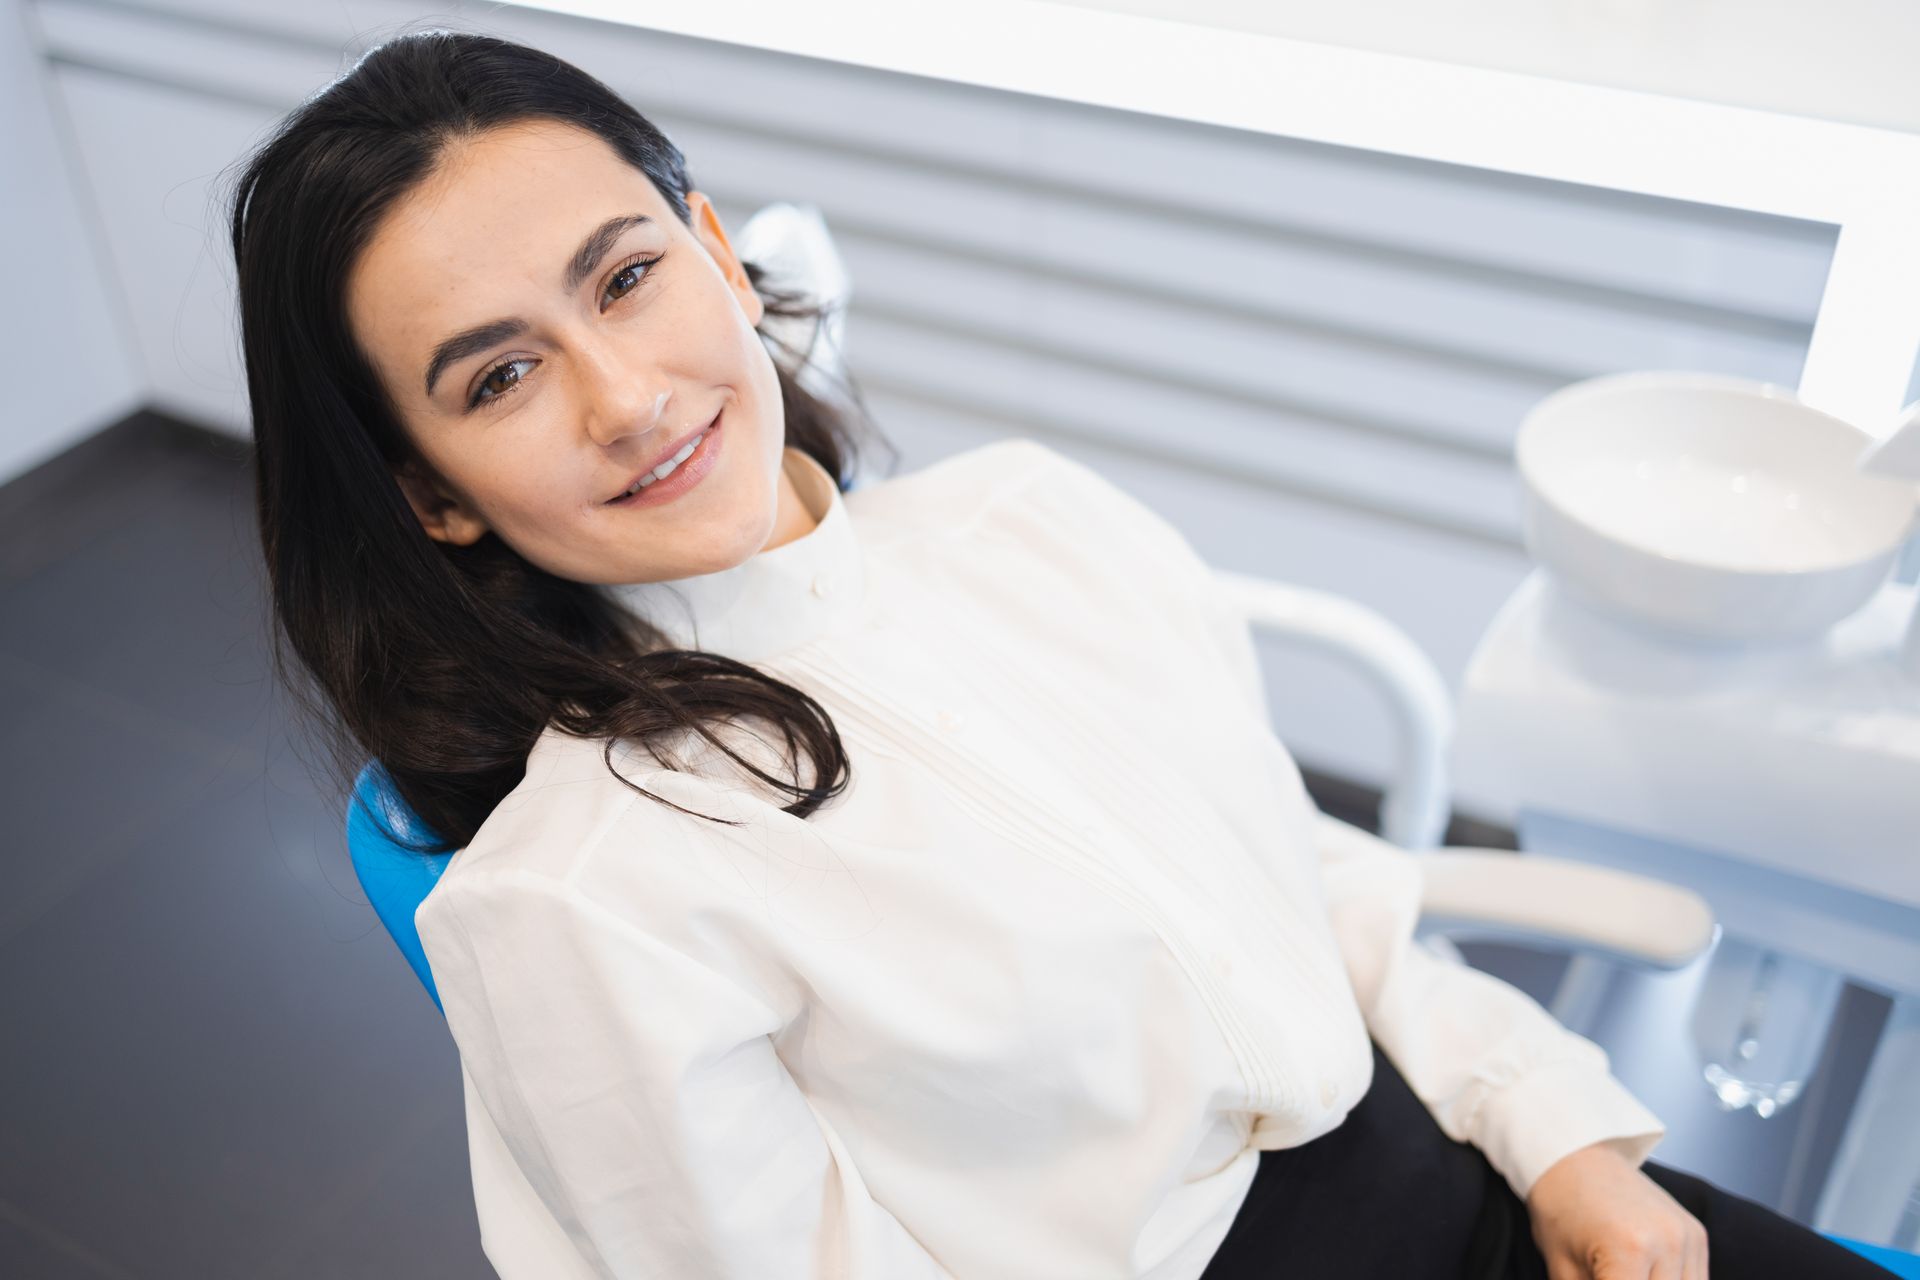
[(1674, 1249), (1697, 1247), (1693, 1241), (1560, 1267), (1684, 1241), (1632, 1230)]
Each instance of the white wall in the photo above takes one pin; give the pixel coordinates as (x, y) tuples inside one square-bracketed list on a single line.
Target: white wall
[(1846, 60), (69, 357)]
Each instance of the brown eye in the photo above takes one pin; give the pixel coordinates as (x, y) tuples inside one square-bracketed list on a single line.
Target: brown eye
[(497, 379), (634, 274)]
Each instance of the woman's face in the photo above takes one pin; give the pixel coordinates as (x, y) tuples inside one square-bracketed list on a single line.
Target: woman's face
[(604, 364)]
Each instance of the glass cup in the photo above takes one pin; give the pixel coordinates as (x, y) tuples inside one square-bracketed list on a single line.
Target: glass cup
[(1759, 1023)]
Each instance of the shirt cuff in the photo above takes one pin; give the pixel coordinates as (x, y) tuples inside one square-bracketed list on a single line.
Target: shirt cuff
[(1556, 1109)]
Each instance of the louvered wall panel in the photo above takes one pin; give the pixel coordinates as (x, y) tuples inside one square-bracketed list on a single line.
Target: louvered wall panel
[(1312, 359)]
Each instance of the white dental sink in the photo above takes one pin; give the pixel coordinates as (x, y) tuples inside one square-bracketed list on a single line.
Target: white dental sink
[(1707, 506)]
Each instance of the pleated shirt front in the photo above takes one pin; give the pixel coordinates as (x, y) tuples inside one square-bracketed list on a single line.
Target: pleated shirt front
[(1026, 999)]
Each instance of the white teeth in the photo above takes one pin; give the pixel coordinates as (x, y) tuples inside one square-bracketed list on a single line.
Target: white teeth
[(662, 471), (666, 468)]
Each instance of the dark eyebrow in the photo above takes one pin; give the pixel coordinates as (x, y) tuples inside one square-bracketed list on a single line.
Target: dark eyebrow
[(467, 342), (596, 246)]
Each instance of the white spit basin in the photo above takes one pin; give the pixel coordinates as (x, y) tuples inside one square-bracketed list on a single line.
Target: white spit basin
[(1708, 506)]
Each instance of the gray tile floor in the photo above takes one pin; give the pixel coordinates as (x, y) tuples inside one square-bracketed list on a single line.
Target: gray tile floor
[(214, 1063)]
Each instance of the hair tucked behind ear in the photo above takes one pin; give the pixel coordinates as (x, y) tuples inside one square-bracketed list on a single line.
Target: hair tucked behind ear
[(442, 662)]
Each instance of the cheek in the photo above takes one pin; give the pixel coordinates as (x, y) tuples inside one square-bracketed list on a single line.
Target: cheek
[(534, 495), (728, 332)]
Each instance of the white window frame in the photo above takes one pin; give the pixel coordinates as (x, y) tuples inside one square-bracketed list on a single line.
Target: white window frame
[(1861, 179)]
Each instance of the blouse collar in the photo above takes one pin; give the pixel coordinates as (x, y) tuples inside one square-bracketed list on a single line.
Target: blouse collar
[(774, 600)]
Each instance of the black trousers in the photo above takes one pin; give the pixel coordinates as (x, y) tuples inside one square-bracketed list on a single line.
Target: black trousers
[(1388, 1194)]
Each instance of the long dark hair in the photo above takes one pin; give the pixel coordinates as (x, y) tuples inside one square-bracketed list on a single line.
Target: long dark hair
[(444, 663)]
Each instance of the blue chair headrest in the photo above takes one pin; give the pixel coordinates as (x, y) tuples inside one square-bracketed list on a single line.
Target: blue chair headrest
[(395, 878)]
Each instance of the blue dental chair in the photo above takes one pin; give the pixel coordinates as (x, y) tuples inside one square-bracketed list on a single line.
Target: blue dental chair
[(1485, 894), (396, 879)]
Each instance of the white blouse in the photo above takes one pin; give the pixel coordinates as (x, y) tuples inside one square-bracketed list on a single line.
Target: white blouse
[(1026, 1000)]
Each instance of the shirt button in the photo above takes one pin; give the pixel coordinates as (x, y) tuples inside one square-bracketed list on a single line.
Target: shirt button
[(823, 584), (1328, 1093), (950, 719)]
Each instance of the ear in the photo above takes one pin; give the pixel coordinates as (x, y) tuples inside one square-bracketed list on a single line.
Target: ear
[(706, 226), (442, 514)]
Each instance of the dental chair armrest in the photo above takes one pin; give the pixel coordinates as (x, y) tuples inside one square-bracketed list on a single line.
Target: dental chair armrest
[(1497, 895), (1414, 810)]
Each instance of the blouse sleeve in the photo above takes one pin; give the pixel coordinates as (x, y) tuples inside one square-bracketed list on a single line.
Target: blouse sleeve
[(1492, 1066), (627, 1113)]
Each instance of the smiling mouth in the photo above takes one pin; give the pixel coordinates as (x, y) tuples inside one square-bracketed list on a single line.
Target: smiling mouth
[(678, 458)]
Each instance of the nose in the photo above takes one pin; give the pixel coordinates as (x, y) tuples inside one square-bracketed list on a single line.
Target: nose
[(617, 398)]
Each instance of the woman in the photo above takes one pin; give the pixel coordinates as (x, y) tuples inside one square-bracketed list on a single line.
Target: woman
[(889, 884)]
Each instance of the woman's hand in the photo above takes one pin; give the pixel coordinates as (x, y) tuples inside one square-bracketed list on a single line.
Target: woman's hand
[(1596, 1216)]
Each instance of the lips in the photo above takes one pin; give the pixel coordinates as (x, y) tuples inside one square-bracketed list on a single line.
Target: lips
[(665, 453)]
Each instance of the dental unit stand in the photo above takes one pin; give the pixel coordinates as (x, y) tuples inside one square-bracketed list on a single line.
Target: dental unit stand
[(1780, 783)]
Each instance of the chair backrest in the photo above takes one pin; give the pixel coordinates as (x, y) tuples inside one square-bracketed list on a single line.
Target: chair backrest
[(395, 879), (790, 242)]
